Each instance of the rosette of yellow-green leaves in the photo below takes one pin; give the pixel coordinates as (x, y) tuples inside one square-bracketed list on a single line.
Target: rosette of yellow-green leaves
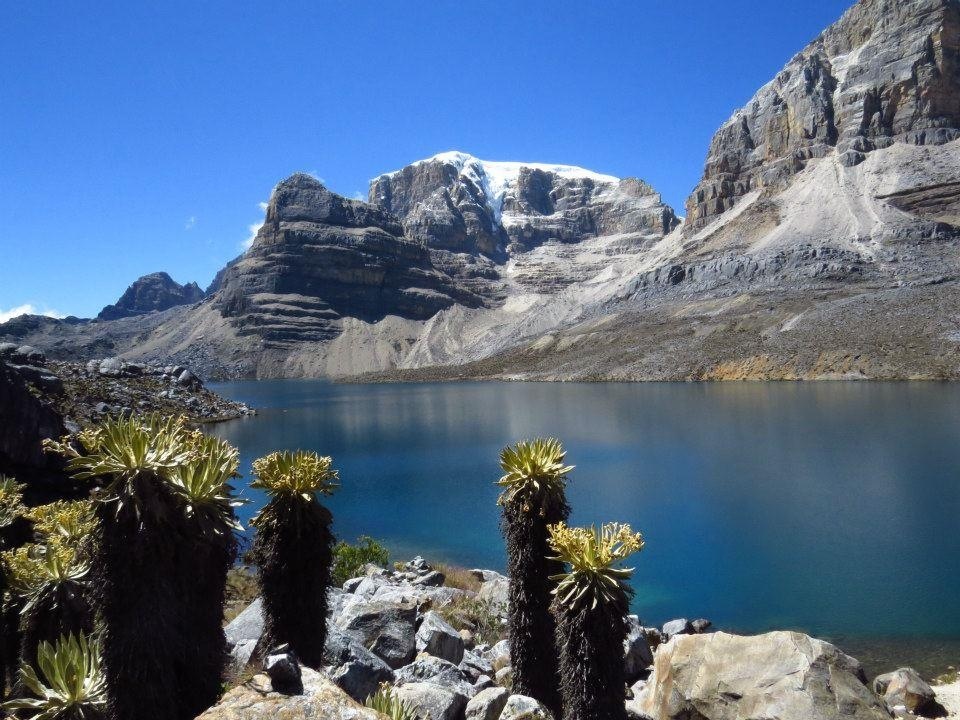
[(533, 470), (591, 555), (121, 450), (64, 522), (202, 480), (301, 474), (386, 702), (67, 683), (34, 570), (11, 501)]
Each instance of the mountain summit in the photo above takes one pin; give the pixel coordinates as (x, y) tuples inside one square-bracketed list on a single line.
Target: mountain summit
[(156, 291)]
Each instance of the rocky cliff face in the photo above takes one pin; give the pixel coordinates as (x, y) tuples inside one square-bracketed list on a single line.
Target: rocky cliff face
[(150, 293), (887, 72), (454, 201), (822, 242), (320, 257)]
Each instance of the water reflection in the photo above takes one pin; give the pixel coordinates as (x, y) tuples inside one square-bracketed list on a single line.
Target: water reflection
[(830, 507)]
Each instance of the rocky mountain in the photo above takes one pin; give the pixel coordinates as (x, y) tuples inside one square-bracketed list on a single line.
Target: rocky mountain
[(822, 241), (332, 286), (454, 201), (150, 293), (885, 73), (318, 258)]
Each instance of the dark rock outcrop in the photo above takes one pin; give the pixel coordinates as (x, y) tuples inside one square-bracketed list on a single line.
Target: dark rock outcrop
[(888, 71), (320, 257), (25, 422), (156, 291)]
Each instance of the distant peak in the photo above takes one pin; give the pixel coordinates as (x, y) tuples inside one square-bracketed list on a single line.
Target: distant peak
[(497, 179), (507, 170), (301, 180)]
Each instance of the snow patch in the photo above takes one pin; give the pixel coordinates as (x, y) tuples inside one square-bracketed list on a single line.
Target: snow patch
[(495, 179)]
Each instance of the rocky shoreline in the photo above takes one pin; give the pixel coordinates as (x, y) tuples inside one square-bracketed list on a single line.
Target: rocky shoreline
[(85, 393), (440, 640)]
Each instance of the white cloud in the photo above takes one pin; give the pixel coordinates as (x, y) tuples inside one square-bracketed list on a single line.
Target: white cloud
[(191, 222), (253, 230), (27, 309)]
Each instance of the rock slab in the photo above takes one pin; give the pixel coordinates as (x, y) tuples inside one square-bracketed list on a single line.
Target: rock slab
[(782, 675), (320, 700)]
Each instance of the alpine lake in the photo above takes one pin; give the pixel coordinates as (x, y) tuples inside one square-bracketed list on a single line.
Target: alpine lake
[(831, 508)]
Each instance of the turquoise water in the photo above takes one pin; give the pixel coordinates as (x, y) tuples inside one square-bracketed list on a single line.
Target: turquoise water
[(833, 508)]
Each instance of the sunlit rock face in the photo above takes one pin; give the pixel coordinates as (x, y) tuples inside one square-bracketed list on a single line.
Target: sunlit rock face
[(319, 257), (887, 72), (454, 201)]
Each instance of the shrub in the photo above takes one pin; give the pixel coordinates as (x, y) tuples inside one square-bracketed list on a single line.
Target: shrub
[(348, 560), (385, 701), (478, 616), (590, 603), (533, 497), (293, 548), (69, 685), (163, 542), (458, 577)]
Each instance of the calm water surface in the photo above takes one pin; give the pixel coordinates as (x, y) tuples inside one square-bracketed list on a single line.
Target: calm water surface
[(833, 508)]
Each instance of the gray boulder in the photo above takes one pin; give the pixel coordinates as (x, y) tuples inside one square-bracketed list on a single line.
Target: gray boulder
[(438, 638), (433, 578), (355, 669), (499, 654), (320, 700), (188, 379), (248, 625), (680, 626), (28, 355), (486, 575), (783, 675), (905, 688), (41, 378), (522, 707), (496, 592), (487, 704), (240, 655), (475, 666), (439, 672), (637, 655), (432, 701), (386, 629), (504, 676), (111, 367), (350, 585), (701, 625), (483, 683)]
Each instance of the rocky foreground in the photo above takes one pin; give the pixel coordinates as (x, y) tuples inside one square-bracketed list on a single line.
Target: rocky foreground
[(445, 651)]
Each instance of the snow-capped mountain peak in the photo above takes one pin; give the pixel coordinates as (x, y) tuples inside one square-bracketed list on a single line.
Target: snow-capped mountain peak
[(497, 178)]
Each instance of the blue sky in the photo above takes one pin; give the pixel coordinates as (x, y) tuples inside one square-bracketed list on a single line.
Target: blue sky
[(137, 137)]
